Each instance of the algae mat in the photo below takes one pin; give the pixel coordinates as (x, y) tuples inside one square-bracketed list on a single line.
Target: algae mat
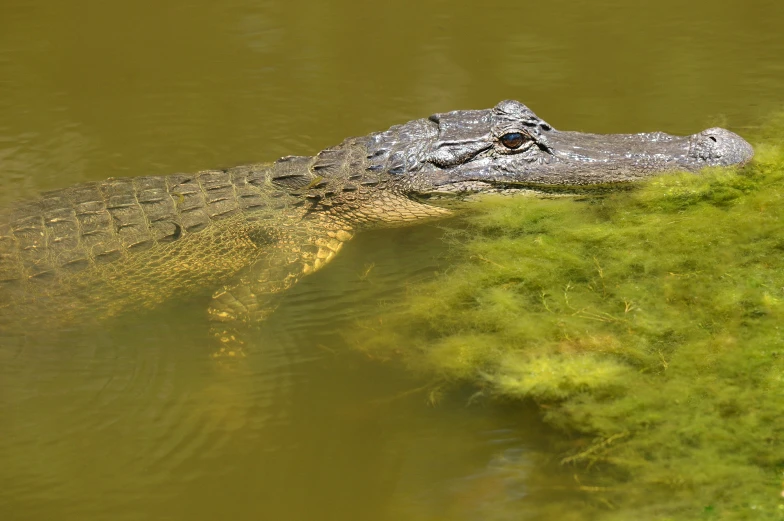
[(647, 324)]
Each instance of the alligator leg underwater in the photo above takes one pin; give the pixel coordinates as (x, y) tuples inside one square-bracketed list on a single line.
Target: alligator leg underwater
[(292, 254), (237, 307)]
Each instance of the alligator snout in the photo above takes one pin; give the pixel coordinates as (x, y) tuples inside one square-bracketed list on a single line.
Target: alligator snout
[(720, 147), (509, 144)]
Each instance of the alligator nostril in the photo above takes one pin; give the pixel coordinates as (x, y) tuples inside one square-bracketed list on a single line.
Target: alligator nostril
[(720, 147)]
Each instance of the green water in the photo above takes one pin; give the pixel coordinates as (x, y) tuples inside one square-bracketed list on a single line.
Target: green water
[(134, 421)]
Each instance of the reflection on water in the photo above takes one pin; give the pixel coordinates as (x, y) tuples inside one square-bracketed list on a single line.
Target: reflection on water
[(133, 420)]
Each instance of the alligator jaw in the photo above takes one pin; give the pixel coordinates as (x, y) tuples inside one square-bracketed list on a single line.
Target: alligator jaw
[(580, 158), (453, 194), (577, 159), (578, 163)]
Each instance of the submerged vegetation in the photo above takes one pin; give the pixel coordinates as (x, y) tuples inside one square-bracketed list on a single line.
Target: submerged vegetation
[(648, 324)]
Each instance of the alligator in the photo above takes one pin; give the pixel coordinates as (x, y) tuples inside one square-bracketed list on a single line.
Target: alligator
[(248, 233)]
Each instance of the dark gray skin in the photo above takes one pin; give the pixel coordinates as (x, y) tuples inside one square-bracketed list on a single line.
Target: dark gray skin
[(460, 149), (251, 232)]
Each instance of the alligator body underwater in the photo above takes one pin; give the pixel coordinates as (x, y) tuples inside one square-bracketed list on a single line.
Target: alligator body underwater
[(250, 232)]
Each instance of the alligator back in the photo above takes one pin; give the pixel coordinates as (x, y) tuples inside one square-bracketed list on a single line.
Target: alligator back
[(97, 248)]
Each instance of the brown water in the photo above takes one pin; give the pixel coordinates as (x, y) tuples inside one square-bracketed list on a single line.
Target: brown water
[(134, 421)]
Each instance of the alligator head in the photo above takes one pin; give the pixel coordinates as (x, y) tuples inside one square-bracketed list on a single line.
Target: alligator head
[(508, 146)]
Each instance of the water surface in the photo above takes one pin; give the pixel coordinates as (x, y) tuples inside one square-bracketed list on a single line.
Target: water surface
[(134, 420)]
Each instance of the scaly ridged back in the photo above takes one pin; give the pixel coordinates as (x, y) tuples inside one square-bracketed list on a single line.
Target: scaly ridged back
[(69, 230), (98, 248)]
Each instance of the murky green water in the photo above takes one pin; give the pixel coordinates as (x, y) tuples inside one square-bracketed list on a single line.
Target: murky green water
[(134, 421)]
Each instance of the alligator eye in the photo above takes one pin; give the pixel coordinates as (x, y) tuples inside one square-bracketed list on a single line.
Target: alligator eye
[(513, 140)]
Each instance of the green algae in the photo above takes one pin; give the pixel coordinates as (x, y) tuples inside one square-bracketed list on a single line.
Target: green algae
[(648, 324)]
